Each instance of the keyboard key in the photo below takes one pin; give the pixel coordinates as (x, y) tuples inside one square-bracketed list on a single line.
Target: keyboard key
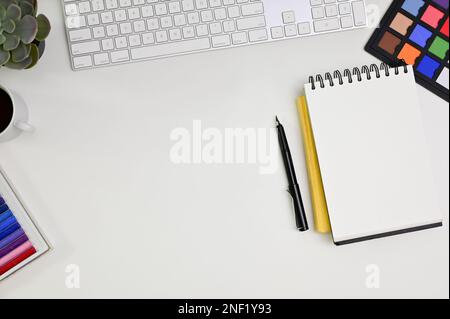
[(277, 32), (80, 35), (153, 24), (201, 4), (215, 28), (257, 35), (71, 9), (101, 59), (161, 36), (326, 25), (85, 47), (331, 11), (166, 22), (84, 7), (188, 32), (82, 62), (111, 4), (125, 3), (229, 26), (252, 9), (239, 38), (234, 12), (207, 16), (345, 8), (188, 5), (174, 7), (251, 23), (98, 32), (175, 34), (125, 28), (134, 40), (134, 13), (121, 42), (120, 56), (97, 5), (288, 17), (75, 22), (160, 9), (107, 44), (93, 19), (346, 22), (147, 11), (180, 20), (221, 41), (107, 17), (139, 26), (148, 38), (193, 18), (304, 28), (290, 30), (120, 15), (112, 30), (170, 48), (318, 13), (359, 13), (202, 30)]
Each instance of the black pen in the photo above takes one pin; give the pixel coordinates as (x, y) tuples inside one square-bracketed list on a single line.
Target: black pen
[(294, 188)]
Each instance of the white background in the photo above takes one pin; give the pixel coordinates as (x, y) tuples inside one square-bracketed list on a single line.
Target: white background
[(98, 178)]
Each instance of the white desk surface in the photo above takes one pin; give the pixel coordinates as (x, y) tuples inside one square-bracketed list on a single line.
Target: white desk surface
[(97, 177)]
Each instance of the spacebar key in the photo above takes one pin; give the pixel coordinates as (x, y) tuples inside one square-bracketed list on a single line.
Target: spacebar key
[(170, 48)]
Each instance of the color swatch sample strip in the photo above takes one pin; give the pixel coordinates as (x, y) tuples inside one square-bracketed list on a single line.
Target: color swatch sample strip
[(21, 242), (417, 31), (15, 246)]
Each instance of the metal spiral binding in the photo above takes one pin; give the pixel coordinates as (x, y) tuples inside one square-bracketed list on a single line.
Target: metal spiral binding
[(319, 79), (365, 70), (329, 77), (375, 69), (358, 74), (338, 75)]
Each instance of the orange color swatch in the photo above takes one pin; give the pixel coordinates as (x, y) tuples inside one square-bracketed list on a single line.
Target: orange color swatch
[(409, 54)]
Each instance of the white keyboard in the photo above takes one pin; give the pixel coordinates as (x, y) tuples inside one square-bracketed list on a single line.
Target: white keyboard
[(109, 32)]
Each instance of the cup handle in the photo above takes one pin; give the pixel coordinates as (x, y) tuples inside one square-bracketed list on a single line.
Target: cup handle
[(24, 126)]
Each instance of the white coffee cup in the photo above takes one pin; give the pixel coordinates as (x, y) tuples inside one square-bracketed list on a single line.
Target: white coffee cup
[(18, 121)]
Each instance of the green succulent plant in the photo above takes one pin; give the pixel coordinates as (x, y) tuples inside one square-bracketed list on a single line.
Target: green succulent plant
[(22, 33)]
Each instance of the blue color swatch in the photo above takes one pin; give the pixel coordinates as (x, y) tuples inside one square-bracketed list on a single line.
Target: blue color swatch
[(5, 214), (420, 35), (428, 66), (413, 6), (5, 242), (10, 229), (8, 222), (3, 208)]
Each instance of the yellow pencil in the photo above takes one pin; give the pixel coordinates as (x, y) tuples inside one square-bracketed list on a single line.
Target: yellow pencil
[(319, 202)]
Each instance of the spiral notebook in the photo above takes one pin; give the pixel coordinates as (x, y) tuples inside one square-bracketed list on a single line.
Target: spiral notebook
[(21, 242), (372, 151)]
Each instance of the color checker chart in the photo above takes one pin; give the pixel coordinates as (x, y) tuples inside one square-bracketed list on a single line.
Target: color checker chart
[(20, 240), (417, 32)]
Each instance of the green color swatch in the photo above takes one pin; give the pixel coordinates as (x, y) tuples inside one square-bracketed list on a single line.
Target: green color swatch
[(439, 47)]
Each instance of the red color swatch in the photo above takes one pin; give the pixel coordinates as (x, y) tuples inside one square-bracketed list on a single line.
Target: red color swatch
[(445, 27), (432, 16), (30, 252)]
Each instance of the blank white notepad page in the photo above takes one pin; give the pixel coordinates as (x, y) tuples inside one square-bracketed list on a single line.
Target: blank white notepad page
[(373, 155)]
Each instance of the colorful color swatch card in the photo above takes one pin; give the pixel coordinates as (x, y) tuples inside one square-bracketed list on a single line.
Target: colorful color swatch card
[(417, 32), (20, 240)]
